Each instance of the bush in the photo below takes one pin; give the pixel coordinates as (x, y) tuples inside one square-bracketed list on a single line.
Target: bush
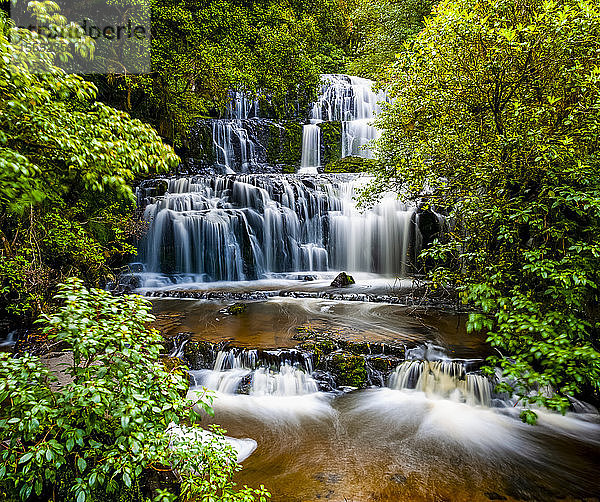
[(104, 432)]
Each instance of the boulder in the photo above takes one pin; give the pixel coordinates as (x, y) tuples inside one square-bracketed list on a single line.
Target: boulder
[(342, 280)]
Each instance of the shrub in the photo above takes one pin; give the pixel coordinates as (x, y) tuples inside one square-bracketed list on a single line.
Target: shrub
[(103, 432)]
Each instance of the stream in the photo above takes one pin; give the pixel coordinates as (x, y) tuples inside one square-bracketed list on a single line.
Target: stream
[(351, 393)]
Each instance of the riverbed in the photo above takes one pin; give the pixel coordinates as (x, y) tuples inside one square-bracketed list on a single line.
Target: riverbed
[(383, 443)]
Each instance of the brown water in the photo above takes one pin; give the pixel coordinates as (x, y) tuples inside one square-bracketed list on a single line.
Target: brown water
[(273, 323), (384, 444), (389, 445)]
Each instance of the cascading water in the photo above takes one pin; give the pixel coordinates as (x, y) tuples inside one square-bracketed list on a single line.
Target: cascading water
[(234, 148), (248, 227), (447, 379), (351, 101), (287, 374)]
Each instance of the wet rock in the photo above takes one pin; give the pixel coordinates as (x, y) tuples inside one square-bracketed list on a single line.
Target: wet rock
[(342, 280), (236, 309), (384, 364), (199, 354), (348, 369)]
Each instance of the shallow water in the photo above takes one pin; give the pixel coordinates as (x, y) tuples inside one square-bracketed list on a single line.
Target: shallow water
[(383, 444), (273, 323)]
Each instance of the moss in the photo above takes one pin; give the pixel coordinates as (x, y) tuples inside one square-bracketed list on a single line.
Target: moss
[(348, 369), (284, 145), (331, 139), (236, 309), (384, 363), (199, 354), (350, 165)]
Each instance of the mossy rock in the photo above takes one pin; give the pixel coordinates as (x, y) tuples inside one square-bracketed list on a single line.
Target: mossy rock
[(199, 354), (331, 142), (319, 349), (348, 369), (236, 309), (385, 364), (342, 280), (284, 145), (350, 165)]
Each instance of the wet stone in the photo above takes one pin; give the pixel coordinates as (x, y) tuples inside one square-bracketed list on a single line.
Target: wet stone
[(236, 309), (342, 280)]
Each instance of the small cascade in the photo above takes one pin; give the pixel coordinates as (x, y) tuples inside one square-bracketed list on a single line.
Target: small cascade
[(311, 149), (265, 373), (351, 101), (235, 146), (10, 339), (445, 378), (227, 228)]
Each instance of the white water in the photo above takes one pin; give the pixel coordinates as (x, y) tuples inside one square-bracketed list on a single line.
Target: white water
[(311, 149), (446, 379), (234, 150), (351, 101), (248, 227), (233, 367), (431, 434)]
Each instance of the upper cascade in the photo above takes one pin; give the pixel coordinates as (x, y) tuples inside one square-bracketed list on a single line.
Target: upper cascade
[(351, 101), (346, 98), (246, 140)]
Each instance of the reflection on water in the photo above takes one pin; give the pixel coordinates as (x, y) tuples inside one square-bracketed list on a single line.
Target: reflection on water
[(273, 323)]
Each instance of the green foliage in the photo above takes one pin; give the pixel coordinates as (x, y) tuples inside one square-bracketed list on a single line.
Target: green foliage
[(99, 435), (200, 51), (349, 165), (382, 28), (497, 115), (66, 165)]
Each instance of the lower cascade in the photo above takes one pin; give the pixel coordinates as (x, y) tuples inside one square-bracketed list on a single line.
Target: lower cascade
[(447, 379), (290, 373), (279, 374)]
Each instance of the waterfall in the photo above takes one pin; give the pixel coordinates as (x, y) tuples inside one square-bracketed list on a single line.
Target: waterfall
[(351, 101), (311, 149), (447, 379), (285, 373), (246, 227), (234, 147)]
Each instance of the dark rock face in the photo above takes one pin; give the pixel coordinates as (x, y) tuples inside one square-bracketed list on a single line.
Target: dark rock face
[(429, 225), (342, 280), (199, 354)]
